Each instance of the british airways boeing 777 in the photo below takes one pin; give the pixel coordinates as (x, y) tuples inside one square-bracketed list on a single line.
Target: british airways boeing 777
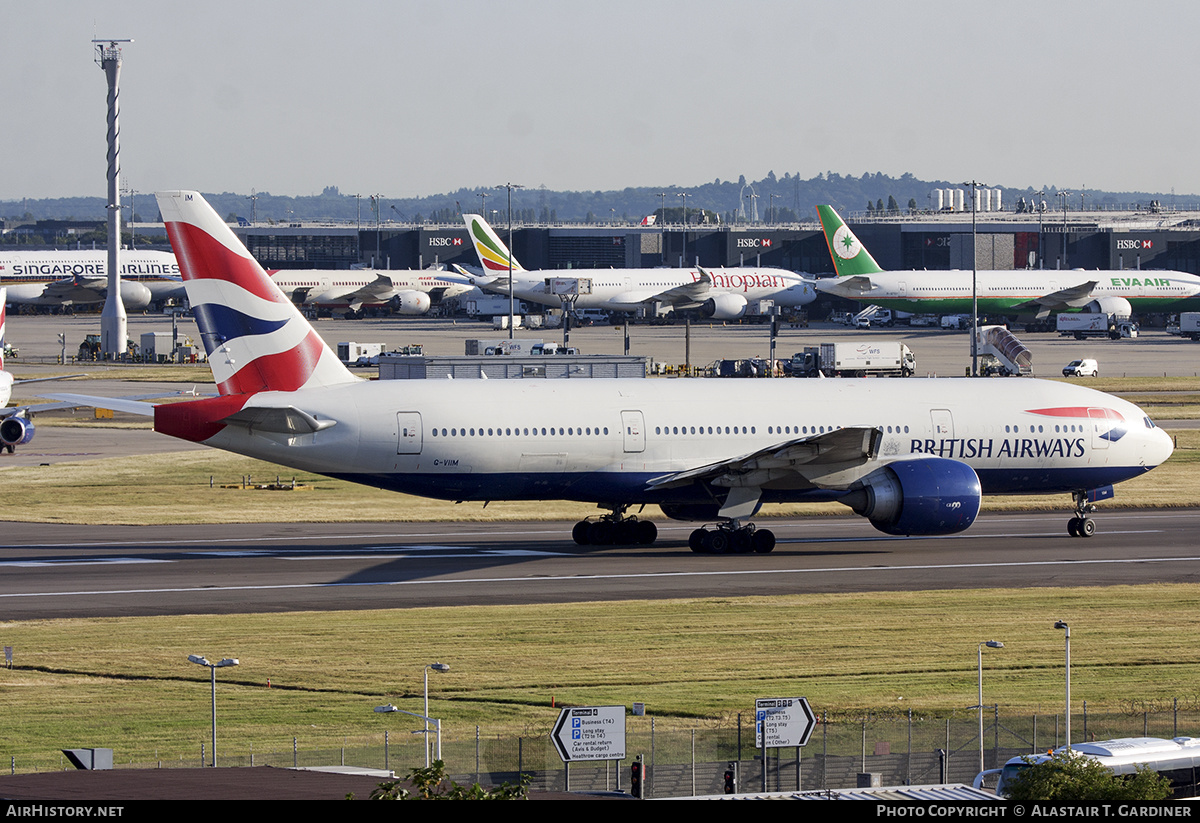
[(912, 456)]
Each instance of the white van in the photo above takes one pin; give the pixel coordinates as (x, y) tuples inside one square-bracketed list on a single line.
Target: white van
[(1081, 368)]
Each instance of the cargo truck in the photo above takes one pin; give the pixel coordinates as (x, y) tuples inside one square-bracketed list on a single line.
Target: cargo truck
[(1096, 324), (885, 359)]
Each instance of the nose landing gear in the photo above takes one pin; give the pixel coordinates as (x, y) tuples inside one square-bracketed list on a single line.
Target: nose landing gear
[(1081, 525)]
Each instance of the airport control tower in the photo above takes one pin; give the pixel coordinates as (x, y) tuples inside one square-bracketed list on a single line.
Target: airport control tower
[(113, 322)]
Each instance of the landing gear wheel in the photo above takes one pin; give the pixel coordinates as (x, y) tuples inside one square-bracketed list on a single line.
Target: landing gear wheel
[(763, 541), (696, 541), (1087, 527), (717, 542), (645, 532), (741, 542), (1073, 526), (1081, 525), (580, 533)]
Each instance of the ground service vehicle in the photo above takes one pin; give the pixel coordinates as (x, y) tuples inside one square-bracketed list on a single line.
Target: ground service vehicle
[(886, 359), (1082, 368), (1083, 325)]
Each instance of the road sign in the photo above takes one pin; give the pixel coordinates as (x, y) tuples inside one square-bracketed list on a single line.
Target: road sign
[(590, 733), (781, 722)]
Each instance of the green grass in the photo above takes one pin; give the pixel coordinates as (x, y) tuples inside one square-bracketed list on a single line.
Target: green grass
[(126, 681)]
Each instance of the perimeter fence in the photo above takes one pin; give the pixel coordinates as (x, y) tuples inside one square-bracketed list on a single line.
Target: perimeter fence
[(908, 748)]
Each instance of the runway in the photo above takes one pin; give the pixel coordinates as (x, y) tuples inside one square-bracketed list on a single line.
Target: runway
[(49, 571)]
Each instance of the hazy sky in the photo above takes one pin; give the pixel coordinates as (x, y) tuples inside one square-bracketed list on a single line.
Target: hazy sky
[(411, 98)]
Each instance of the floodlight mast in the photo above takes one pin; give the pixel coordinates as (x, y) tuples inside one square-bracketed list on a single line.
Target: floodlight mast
[(113, 321)]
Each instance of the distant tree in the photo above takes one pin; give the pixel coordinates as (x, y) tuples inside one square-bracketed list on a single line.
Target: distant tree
[(879, 205), (1068, 777), (893, 207), (870, 207), (432, 784), (912, 204)]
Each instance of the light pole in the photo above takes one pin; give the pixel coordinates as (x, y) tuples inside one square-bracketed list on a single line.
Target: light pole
[(774, 213), (437, 667), (683, 194), (1041, 210), (483, 196), (511, 302), (991, 644), (663, 195), (974, 285), (1061, 625), (1062, 264), (201, 660)]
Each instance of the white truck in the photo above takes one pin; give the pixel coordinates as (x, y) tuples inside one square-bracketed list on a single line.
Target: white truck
[(1189, 325), (885, 359), (1083, 325), (354, 354)]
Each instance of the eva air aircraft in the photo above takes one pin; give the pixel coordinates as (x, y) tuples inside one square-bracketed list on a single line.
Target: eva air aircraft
[(1017, 293)]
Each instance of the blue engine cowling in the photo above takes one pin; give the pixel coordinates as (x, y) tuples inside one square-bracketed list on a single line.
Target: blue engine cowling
[(927, 495), (15, 431)]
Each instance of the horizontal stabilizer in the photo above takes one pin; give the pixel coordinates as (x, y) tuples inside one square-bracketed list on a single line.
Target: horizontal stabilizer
[(128, 405)]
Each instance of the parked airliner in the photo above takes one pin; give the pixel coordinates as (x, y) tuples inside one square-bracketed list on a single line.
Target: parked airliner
[(913, 456), (58, 278), (16, 429), (406, 292), (1016, 293), (722, 294)]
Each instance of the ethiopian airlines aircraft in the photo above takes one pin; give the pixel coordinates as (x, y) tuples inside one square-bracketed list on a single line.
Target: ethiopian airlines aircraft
[(73, 277), (912, 456), (1017, 293), (722, 294), (407, 292)]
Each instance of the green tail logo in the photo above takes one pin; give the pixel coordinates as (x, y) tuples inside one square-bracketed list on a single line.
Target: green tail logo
[(849, 256)]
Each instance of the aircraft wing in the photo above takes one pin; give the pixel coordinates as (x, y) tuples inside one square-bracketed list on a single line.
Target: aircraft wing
[(1070, 297), (76, 289), (379, 290), (804, 458), (34, 408), (687, 296), (851, 286)]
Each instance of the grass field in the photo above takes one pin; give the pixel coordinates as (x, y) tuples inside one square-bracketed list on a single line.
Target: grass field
[(127, 680)]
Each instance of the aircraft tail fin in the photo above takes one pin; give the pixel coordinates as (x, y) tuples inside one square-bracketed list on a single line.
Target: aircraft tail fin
[(255, 337), (849, 256), (494, 256)]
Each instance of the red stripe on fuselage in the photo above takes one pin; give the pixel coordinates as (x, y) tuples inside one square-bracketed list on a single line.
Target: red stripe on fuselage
[(196, 420), (200, 255)]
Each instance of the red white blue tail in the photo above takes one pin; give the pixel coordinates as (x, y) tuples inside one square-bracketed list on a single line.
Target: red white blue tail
[(255, 338), (3, 300)]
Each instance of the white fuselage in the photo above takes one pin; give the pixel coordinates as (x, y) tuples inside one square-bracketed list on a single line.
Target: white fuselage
[(1002, 292), (6, 384), (324, 287), (31, 277), (631, 289), (602, 440)]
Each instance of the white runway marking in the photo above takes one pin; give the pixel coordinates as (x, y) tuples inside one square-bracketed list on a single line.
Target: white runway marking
[(645, 576), (80, 561)]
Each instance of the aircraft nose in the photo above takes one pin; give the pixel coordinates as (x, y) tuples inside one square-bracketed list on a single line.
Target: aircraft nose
[(1159, 447)]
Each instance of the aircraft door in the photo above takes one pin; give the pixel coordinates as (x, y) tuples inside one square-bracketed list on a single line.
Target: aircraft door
[(1101, 426), (408, 432), (943, 422), (634, 430)]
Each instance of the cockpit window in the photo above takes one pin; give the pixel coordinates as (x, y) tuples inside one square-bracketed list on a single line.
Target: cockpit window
[(1149, 423)]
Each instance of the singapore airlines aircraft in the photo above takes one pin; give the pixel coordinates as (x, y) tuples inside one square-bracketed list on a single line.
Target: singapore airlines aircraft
[(912, 456), (407, 292), (722, 294), (71, 277), (1017, 293)]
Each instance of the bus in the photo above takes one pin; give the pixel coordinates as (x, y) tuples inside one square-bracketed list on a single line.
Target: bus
[(1178, 760)]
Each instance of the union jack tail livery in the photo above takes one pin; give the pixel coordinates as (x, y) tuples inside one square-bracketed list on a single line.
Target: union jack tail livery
[(3, 299), (255, 337)]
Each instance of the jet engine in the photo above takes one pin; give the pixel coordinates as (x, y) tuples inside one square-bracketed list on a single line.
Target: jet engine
[(926, 495), (411, 302), (1117, 306), (15, 431), (690, 511), (724, 307), (134, 295)]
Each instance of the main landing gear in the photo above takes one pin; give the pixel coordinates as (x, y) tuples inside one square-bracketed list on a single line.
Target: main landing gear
[(614, 529), (1081, 525), (731, 537)]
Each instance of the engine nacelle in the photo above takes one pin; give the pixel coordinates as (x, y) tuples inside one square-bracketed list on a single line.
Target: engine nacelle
[(1117, 306), (134, 295), (724, 307), (411, 302), (15, 431), (926, 495)]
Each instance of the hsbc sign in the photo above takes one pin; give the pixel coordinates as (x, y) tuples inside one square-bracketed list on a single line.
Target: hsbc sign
[(1135, 244), (444, 242), (754, 243)]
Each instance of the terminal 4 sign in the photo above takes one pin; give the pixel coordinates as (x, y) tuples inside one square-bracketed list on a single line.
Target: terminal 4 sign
[(590, 733), (781, 722)]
